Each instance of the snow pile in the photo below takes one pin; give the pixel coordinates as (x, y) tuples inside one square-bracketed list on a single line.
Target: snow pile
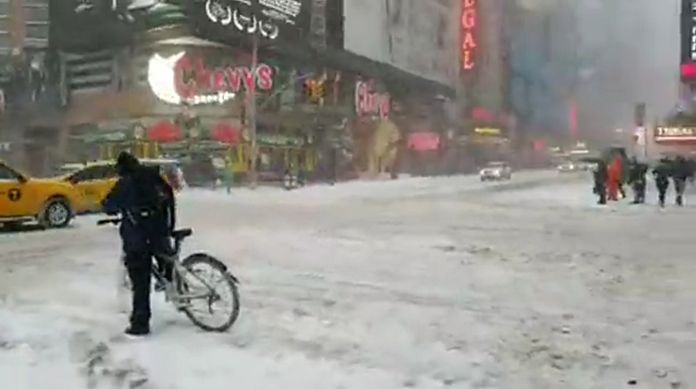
[(420, 283)]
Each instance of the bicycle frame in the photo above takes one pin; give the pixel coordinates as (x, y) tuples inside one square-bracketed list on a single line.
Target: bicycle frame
[(172, 293)]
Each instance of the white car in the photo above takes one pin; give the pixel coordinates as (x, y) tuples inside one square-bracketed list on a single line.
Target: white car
[(495, 171), (568, 167)]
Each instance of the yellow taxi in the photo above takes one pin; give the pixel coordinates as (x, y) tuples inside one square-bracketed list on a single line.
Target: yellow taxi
[(96, 179), (52, 203)]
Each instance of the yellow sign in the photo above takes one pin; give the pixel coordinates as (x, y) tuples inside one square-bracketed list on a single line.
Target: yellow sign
[(488, 131)]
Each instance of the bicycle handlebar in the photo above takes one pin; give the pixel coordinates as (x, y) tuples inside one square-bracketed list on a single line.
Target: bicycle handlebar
[(114, 221)]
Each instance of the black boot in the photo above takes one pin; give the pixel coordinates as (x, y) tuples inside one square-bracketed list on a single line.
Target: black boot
[(138, 329)]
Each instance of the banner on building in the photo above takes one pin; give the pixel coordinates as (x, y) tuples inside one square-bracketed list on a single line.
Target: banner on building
[(688, 40), (286, 20), (675, 134)]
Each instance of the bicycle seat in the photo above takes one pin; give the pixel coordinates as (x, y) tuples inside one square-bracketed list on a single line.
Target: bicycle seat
[(182, 234)]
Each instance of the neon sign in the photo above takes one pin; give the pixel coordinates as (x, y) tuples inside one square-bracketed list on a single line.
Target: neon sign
[(181, 79), (469, 21), (370, 103)]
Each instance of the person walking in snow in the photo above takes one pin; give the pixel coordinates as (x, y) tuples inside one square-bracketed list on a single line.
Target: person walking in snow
[(636, 179), (614, 178), (600, 182), (147, 207), (662, 173), (680, 173)]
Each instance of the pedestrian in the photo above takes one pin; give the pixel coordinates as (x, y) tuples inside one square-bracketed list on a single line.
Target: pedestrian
[(662, 173), (680, 173), (228, 175), (600, 182), (147, 207), (333, 165), (637, 180), (614, 179)]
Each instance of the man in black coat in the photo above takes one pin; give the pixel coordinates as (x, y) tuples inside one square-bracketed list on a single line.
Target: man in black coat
[(146, 204), (662, 172), (637, 180), (680, 173), (601, 176)]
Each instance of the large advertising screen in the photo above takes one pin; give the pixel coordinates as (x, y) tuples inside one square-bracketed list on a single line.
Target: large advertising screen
[(286, 20)]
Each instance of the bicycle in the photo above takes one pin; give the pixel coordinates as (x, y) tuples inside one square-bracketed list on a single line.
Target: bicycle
[(187, 286)]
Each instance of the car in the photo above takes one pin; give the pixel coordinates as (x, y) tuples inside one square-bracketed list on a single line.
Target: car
[(495, 171), (571, 167), (568, 167), (96, 179), (53, 203)]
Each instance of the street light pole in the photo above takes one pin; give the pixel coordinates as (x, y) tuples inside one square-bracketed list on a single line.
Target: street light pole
[(253, 174)]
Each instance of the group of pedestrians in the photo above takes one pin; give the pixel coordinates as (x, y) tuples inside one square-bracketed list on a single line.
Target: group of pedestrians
[(610, 178)]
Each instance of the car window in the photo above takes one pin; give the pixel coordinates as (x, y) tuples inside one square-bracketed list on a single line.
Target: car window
[(85, 174), (103, 172), (7, 174)]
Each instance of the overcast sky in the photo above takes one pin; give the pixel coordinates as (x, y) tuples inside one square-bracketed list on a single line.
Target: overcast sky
[(630, 53)]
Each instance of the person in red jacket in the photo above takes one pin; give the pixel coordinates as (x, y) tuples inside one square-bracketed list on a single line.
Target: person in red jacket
[(614, 180)]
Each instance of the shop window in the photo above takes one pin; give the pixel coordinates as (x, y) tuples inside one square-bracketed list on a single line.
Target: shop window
[(36, 3), (36, 13), (37, 30), (5, 40)]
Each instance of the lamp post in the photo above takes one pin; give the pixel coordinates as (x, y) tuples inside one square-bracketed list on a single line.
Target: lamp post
[(253, 174)]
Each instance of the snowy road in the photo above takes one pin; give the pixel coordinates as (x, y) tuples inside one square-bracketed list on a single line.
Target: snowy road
[(418, 283)]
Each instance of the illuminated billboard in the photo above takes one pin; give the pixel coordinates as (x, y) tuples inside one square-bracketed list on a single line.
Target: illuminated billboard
[(469, 35), (688, 40)]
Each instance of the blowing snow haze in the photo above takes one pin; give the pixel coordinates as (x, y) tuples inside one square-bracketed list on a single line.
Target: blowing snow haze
[(627, 52)]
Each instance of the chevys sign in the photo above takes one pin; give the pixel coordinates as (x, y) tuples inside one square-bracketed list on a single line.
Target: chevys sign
[(675, 134), (369, 103), (192, 77), (184, 79)]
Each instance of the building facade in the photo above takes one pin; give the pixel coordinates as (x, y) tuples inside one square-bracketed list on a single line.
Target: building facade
[(24, 32), (174, 78)]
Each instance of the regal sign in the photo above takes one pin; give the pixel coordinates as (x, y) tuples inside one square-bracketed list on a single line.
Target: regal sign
[(675, 134), (469, 34)]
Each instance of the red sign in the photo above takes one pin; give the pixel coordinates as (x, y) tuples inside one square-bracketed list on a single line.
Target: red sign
[(368, 102), (193, 78), (424, 141), (469, 38)]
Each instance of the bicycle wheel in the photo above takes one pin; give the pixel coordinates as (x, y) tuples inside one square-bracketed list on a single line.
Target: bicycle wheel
[(207, 276)]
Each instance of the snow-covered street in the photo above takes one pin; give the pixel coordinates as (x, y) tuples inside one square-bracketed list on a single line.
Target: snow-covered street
[(416, 283)]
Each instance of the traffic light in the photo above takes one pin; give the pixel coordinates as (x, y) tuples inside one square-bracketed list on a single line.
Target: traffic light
[(315, 90)]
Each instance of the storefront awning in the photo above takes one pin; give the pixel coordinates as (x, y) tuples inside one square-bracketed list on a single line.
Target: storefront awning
[(226, 133), (164, 131), (424, 141)]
